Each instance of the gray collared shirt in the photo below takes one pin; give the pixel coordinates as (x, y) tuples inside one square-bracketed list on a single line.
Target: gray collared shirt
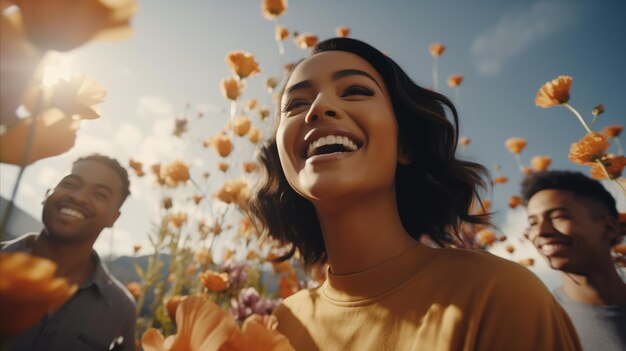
[(100, 316)]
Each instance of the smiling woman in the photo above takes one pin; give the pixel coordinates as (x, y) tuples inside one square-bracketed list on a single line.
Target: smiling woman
[(361, 166)]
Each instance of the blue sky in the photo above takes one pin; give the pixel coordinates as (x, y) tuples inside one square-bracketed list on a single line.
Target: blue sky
[(505, 49)]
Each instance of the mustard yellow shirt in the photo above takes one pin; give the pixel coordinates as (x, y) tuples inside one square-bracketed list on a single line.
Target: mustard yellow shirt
[(439, 299)]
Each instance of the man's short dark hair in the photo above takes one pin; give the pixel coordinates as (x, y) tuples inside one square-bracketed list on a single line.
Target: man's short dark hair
[(115, 166), (576, 182)]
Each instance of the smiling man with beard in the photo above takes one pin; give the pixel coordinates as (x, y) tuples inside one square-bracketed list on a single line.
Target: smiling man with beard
[(101, 315), (573, 223)]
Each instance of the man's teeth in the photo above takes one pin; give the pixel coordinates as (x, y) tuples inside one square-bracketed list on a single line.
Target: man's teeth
[(72, 213), (331, 140), (549, 249)]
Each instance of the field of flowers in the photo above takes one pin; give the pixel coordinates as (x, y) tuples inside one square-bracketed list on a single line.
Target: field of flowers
[(193, 301)]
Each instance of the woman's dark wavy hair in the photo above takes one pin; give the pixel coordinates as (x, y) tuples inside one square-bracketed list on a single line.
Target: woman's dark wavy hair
[(434, 193)]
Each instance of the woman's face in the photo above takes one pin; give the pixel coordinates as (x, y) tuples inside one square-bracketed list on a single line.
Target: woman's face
[(337, 133)]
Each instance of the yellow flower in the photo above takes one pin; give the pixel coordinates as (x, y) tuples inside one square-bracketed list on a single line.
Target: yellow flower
[(591, 147), (63, 25), (221, 143), (223, 166), (510, 249), (231, 88), (54, 134), (554, 92), (526, 262), (255, 135), (540, 163), (612, 131), (201, 325), (342, 31), (264, 113), (514, 201), (203, 256), (134, 289), (242, 64), (436, 49), (515, 145), (166, 202), (281, 33), (28, 290), (614, 166), (175, 173), (598, 110), (250, 167), (455, 80), (234, 191), (271, 83), (306, 40), (273, 8), (214, 281)]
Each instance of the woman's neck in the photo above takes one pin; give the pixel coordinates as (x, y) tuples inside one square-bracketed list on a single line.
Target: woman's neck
[(362, 233)]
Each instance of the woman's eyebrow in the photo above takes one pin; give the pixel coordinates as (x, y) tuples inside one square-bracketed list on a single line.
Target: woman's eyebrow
[(351, 72), (300, 85)]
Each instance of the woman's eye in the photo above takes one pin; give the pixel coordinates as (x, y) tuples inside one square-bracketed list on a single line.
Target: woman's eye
[(357, 90), (294, 104)]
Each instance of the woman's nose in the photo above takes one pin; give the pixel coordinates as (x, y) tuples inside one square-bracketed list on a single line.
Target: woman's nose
[(320, 108)]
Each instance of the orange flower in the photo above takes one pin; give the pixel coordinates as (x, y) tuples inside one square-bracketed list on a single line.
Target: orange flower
[(166, 202), (234, 191), (306, 40), (464, 140), (250, 167), (342, 31), (286, 287), (63, 25), (175, 172), (500, 180), (614, 166), (436, 49), (514, 201), (540, 163), (255, 135), (54, 134), (177, 219), (279, 267), (137, 167), (527, 171), (554, 92), (259, 333), (242, 125), (251, 104), (598, 110), (620, 249), (526, 262), (214, 281), (221, 143), (271, 83), (486, 237), (201, 325), (171, 304), (510, 249), (136, 248), (197, 199), (242, 64), (223, 166), (231, 88), (134, 289), (264, 113), (273, 8), (281, 33), (515, 145), (455, 80), (28, 290), (612, 131), (588, 149)]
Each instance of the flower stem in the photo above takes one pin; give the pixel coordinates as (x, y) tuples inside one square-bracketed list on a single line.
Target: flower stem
[(435, 74), (519, 162), (608, 176), (580, 118)]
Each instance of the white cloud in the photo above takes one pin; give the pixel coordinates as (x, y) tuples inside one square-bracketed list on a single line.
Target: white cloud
[(48, 177), (516, 32), (128, 137), (121, 244), (150, 106)]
